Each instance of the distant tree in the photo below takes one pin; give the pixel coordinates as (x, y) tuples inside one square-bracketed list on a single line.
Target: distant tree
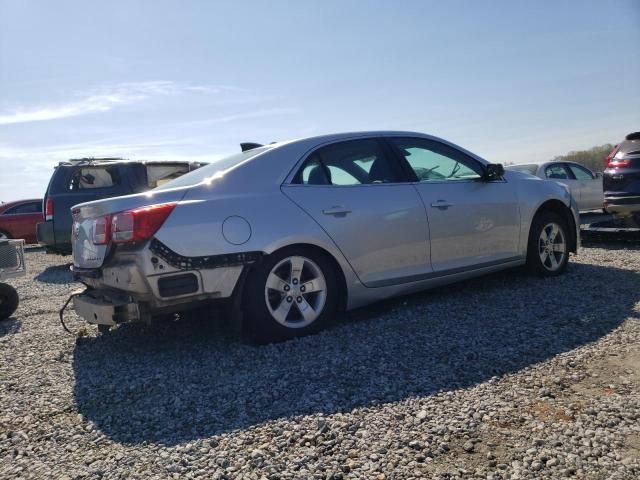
[(593, 158)]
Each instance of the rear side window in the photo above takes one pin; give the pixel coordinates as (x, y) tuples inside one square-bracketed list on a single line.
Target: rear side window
[(31, 207), (158, 175), (354, 162), (557, 172), (88, 178), (580, 173)]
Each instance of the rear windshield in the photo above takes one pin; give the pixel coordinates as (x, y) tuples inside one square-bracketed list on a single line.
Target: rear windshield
[(531, 169), (213, 169)]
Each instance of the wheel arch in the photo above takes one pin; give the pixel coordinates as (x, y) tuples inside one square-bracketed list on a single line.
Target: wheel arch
[(558, 207), (343, 294)]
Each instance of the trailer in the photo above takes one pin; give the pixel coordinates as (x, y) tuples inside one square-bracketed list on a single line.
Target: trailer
[(11, 265), (607, 227)]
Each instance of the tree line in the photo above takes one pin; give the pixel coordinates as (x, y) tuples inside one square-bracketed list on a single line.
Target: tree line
[(593, 158)]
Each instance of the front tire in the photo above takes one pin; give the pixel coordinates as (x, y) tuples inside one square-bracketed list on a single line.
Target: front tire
[(548, 247), (8, 301), (291, 294)]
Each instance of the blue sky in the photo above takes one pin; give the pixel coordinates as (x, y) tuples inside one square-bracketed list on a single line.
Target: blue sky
[(509, 80)]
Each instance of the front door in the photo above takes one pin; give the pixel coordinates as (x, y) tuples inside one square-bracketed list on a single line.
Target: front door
[(357, 193), (472, 222)]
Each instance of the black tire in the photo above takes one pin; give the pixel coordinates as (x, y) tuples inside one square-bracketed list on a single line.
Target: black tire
[(258, 324), (103, 329), (535, 263), (8, 301)]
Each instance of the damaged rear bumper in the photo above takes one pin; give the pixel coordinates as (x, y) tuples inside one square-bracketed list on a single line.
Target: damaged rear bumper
[(103, 310), (136, 285)]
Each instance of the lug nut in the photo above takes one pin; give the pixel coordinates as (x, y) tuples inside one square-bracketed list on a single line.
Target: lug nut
[(302, 289), (295, 281), (289, 299), (299, 299), (287, 288)]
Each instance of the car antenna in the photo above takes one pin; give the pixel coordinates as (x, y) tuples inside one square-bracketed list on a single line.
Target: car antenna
[(250, 146)]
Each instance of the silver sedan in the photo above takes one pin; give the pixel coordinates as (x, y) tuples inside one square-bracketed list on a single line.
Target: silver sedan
[(585, 186), (292, 232)]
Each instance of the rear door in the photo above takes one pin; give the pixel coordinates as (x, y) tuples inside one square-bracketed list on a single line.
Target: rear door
[(357, 192), (591, 191), (472, 222)]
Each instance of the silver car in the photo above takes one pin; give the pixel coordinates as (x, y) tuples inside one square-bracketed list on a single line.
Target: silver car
[(292, 232), (585, 186)]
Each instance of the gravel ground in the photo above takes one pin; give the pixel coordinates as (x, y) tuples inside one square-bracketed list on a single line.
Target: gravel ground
[(506, 376)]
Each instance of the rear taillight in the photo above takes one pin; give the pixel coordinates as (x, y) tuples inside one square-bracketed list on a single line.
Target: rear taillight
[(140, 224), (48, 209), (615, 159)]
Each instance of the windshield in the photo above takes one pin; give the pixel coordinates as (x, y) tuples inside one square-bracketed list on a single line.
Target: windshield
[(531, 169), (216, 167)]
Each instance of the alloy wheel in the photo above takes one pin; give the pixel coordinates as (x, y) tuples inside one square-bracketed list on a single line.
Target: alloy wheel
[(552, 246), (295, 292)]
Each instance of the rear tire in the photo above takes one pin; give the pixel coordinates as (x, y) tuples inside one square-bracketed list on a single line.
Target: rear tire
[(292, 293), (8, 301), (548, 247)]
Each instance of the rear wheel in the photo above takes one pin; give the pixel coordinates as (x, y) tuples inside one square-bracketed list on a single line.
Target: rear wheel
[(291, 294), (548, 248), (8, 301)]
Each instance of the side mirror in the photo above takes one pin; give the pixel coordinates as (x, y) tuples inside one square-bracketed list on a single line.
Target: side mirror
[(493, 171)]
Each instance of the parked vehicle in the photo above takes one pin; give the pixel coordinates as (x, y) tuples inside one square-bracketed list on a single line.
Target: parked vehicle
[(292, 232), (19, 219), (622, 178), (11, 265), (87, 179), (584, 185)]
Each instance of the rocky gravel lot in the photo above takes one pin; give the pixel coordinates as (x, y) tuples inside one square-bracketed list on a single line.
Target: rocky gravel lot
[(506, 376)]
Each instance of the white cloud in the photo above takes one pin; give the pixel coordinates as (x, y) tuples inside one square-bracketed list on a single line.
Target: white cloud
[(103, 99)]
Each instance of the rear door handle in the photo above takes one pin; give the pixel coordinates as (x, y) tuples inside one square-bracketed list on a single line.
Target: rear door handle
[(336, 210), (441, 204)]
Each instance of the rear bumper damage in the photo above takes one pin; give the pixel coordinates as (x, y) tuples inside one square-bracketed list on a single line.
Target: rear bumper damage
[(136, 285)]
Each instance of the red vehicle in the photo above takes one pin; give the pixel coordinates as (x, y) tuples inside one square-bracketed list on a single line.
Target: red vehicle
[(18, 219)]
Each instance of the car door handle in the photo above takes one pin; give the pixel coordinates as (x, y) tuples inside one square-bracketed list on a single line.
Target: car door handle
[(336, 210), (441, 204)]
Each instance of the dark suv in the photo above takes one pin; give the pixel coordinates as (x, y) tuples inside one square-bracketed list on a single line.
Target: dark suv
[(86, 179), (621, 178)]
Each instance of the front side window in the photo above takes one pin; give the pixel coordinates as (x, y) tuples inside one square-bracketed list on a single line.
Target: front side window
[(354, 162), (580, 173), (31, 207), (556, 172), (436, 162)]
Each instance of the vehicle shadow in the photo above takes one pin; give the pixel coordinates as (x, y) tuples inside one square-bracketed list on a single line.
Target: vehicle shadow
[(9, 326), (57, 274), (192, 379)]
